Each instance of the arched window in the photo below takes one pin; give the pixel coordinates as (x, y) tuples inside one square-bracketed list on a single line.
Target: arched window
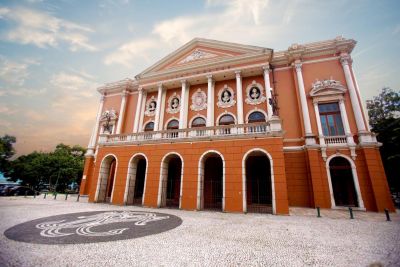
[(199, 122), (226, 120), (173, 125), (149, 127), (256, 117)]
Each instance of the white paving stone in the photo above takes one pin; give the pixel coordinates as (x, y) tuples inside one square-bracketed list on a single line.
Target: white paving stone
[(208, 238)]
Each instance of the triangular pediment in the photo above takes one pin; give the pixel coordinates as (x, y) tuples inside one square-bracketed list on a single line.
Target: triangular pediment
[(202, 51)]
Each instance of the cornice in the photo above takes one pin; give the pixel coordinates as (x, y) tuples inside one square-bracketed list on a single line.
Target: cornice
[(304, 52), (205, 66), (127, 85)]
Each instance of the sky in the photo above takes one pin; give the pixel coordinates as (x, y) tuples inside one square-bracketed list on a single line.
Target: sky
[(54, 54)]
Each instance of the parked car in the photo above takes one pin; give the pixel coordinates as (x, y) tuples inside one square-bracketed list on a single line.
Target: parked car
[(21, 191), (5, 190)]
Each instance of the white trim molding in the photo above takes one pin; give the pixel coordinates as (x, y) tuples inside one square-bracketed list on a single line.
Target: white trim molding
[(244, 189), (256, 109), (161, 197), (195, 117), (200, 178), (225, 113), (131, 178), (102, 174), (168, 121), (355, 180)]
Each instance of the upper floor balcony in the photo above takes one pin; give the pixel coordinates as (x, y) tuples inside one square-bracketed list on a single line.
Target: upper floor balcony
[(271, 128)]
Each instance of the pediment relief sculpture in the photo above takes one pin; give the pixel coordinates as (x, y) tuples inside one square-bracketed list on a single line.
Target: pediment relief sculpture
[(196, 55), (174, 103), (327, 87), (199, 100), (255, 94), (226, 97), (151, 106)]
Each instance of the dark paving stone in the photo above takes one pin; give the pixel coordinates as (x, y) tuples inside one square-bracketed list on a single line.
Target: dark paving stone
[(92, 227)]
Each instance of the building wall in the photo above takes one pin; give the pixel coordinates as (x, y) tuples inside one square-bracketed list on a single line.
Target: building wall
[(232, 151)]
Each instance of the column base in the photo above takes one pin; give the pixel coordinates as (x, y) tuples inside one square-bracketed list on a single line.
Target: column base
[(310, 139), (89, 152), (275, 124), (366, 138)]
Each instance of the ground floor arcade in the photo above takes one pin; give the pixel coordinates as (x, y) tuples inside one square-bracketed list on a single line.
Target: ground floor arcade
[(254, 175)]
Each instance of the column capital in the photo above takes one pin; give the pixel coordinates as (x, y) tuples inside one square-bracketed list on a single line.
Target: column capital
[(102, 97), (345, 59), (184, 82), (141, 90), (238, 73), (267, 68), (160, 85), (297, 65), (209, 77), (124, 93)]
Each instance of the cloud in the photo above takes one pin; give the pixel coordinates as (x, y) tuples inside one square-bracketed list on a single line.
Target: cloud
[(132, 52), (13, 75), (13, 72), (238, 18), (5, 110), (44, 30), (74, 84)]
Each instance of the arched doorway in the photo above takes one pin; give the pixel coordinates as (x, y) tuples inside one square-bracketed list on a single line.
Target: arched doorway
[(258, 182), (105, 183), (135, 181), (170, 181), (210, 194), (343, 183)]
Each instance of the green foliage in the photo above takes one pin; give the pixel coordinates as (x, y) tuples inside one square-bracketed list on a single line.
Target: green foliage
[(58, 168), (384, 118), (6, 151)]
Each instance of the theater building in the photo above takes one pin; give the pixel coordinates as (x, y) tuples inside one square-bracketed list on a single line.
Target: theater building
[(238, 128)]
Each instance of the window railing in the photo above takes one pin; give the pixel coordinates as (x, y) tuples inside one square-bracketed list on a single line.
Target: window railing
[(190, 133), (334, 140)]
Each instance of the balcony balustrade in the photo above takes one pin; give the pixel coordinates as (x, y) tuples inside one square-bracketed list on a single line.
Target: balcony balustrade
[(335, 140), (198, 133)]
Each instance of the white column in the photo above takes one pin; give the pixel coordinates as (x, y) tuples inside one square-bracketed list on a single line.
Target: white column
[(364, 110), (158, 108), (138, 109), (184, 105), (344, 59), (93, 137), (303, 102), (239, 93), (121, 111), (163, 97), (268, 90), (319, 126), (346, 124), (210, 101), (142, 109)]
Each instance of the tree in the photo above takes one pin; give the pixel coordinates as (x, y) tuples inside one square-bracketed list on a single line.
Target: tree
[(59, 168), (6, 151), (384, 118)]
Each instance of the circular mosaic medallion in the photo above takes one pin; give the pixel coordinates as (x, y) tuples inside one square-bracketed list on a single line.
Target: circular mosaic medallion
[(91, 227)]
